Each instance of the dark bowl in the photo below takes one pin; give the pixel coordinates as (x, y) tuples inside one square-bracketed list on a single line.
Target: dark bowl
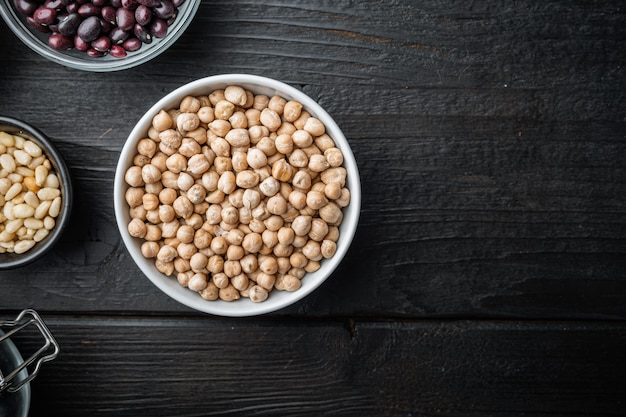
[(18, 127)]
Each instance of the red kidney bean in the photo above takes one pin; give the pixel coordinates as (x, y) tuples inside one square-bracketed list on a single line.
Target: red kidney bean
[(130, 4), (100, 27), (54, 4), (102, 44), (89, 9), (143, 15), (142, 33), (80, 44), (69, 24), (108, 13), (165, 10), (90, 28), (117, 51), (118, 36), (45, 16), (25, 7), (158, 28), (72, 7), (132, 44), (149, 3), (94, 53), (125, 19), (60, 42), (41, 28)]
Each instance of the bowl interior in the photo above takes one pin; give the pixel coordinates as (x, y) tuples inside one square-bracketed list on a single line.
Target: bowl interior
[(38, 41), (243, 306), (14, 404), (14, 126)]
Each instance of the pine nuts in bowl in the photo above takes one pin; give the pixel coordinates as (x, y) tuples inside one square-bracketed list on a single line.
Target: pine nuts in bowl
[(35, 192), (237, 195)]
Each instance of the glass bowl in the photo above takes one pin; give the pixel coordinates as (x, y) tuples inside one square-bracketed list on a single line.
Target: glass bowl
[(242, 306), (38, 41)]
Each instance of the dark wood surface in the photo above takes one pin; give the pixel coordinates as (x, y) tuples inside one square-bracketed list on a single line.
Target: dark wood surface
[(488, 273)]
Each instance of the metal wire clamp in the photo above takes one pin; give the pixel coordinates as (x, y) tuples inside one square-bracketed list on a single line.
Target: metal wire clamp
[(45, 353)]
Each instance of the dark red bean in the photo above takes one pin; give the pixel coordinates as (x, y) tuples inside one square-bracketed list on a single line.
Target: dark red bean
[(130, 4), (125, 18), (142, 33), (158, 28), (72, 7), (108, 13), (117, 51), (80, 44), (90, 28), (69, 24), (143, 15), (98, 26), (165, 10), (60, 42), (44, 16), (132, 44), (94, 53), (89, 9), (54, 4), (37, 26), (118, 36), (25, 7), (102, 44), (106, 25)]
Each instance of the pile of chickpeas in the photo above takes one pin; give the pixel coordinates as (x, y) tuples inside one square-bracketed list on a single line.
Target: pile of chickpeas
[(30, 194), (236, 194)]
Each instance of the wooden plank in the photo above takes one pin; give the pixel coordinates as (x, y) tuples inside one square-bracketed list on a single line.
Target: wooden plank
[(490, 139), (135, 366)]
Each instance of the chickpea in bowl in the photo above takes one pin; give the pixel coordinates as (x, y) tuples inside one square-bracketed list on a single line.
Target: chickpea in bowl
[(237, 195), (35, 192)]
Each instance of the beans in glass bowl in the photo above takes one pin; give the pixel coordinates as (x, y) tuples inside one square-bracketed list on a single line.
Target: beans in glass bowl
[(100, 27), (118, 38)]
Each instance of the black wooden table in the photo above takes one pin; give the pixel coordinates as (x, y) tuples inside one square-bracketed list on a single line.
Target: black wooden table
[(488, 273)]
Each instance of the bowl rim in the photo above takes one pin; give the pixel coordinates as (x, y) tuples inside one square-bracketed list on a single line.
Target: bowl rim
[(82, 61), (278, 299), (17, 126)]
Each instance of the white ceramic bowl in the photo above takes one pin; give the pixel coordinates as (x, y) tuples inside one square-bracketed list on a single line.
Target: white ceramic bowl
[(243, 306), (38, 41)]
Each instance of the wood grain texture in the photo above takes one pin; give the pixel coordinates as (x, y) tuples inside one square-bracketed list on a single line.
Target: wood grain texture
[(489, 137), (488, 273), (138, 366)]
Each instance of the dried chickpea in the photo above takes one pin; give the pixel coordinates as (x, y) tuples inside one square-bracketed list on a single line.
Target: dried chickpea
[(198, 282), (287, 283), (270, 119), (236, 95), (190, 104), (210, 293), (258, 294), (292, 110), (246, 189), (229, 293)]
